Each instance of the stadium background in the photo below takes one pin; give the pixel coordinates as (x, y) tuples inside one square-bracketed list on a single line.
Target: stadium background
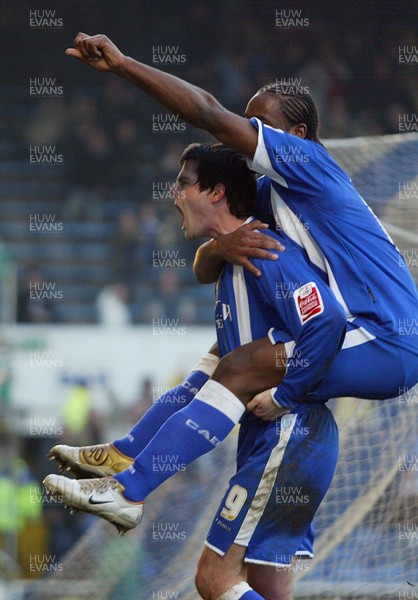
[(100, 312)]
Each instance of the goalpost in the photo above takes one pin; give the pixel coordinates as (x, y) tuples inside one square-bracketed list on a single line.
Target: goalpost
[(367, 526)]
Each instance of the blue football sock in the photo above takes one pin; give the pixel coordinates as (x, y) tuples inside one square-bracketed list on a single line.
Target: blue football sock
[(240, 591), (166, 405), (188, 433), (251, 595)]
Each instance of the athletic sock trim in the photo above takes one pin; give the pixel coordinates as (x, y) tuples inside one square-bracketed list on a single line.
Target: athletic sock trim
[(218, 396), (236, 592), (207, 364)]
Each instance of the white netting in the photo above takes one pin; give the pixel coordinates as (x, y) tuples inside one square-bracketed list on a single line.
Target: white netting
[(367, 527)]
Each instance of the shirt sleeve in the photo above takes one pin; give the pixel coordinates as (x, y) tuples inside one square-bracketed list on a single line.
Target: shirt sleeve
[(313, 325), (290, 161)]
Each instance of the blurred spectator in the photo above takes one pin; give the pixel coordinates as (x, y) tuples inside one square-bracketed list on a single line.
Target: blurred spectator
[(170, 235), (339, 121), (21, 510), (112, 305), (148, 226), (6, 376), (125, 150), (126, 248), (92, 161), (83, 109), (143, 401), (169, 302), (82, 424), (316, 77), (169, 162), (34, 304), (76, 412), (118, 100), (47, 125)]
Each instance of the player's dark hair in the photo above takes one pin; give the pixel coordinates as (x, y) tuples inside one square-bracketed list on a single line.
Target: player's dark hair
[(297, 106), (214, 163)]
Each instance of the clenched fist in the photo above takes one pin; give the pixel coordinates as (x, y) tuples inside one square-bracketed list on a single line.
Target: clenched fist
[(97, 51)]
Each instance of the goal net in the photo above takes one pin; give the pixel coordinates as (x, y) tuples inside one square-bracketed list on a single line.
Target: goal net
[(367, 526)]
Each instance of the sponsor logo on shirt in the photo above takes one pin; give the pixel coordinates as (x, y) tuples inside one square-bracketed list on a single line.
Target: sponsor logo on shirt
[(308, 302)]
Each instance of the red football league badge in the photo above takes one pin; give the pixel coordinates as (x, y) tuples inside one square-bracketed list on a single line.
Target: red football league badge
[(308, 302)]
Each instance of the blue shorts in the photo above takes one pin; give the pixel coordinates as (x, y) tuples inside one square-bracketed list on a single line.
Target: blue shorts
[(284, 469)]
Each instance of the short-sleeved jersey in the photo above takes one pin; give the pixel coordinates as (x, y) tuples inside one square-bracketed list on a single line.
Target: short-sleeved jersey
[(308, 196), (291, 304)]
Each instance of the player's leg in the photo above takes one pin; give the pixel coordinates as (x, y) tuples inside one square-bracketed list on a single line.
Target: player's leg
[(207, 420), (224, 577), (276, 582), (273, 583), (168, 404), (108, 459), (246, 371), (187, 434), (284, 470), (252, 368)]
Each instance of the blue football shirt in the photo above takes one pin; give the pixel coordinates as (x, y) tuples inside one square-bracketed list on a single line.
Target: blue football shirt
[(290, 303), (308, 196)]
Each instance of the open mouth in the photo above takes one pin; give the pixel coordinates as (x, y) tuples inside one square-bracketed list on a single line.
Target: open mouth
[(181, 212)]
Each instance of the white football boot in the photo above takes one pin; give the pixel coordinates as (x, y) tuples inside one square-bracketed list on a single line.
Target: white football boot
[(101, 497)]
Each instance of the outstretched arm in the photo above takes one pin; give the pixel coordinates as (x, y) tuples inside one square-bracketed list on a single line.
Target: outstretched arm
[(191, 103), (236, 247)]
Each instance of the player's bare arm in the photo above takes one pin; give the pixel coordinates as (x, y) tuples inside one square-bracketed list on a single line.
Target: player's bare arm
[(236, 247), (203, 111), (191, 103)]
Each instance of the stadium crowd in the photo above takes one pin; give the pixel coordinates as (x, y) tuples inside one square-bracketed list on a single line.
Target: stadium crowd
[(121, 152)]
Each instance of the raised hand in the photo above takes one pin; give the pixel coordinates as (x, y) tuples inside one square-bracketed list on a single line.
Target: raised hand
[(97, 51)]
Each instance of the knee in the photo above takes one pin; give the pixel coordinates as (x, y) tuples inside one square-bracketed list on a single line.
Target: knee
[(251, 368), (203, 583), (228, 367), (209, 581)]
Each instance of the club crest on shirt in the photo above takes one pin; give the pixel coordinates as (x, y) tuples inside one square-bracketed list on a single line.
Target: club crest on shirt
[(308, 302)]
